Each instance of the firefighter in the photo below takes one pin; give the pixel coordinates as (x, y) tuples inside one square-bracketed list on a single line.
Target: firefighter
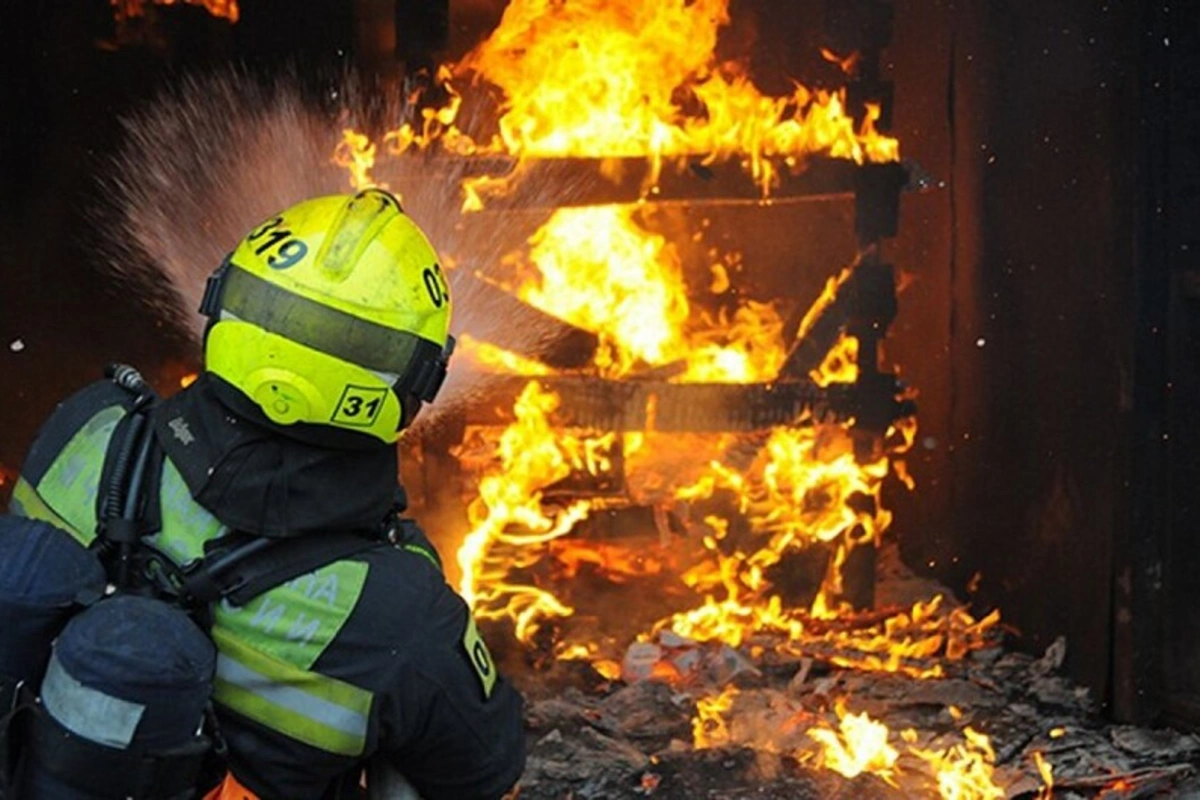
[(327, 331)]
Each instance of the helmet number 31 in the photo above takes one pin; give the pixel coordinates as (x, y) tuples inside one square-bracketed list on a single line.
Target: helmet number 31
[(288, 250)]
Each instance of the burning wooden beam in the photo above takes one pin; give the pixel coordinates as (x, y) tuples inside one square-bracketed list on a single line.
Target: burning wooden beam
[(521, 183), (641, 405), (560, 344)]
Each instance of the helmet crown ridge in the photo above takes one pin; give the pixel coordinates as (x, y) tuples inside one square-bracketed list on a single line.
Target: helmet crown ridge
[(353, 231), (333, 312)]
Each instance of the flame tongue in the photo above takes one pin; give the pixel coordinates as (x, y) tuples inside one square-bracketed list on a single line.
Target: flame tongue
[(597, 77), (629, 78), (626, 78), (597, 269)]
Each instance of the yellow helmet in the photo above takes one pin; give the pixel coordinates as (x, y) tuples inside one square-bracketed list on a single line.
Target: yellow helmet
[(334, 312)]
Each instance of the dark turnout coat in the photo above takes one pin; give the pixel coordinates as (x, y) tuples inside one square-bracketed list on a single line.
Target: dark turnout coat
[(373, 655)]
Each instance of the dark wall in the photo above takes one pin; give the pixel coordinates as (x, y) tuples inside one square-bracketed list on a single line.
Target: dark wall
[(66, 83), (1040, 327), (1165, 546)]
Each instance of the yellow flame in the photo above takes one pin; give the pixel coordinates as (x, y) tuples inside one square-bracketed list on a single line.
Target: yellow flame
[(709, 728), (840, 364), (497, 359), (356, 153), (859, 745), (964, 771), (508, 519), (605, 78), (608, 78), (1046, 772), (598, 269)]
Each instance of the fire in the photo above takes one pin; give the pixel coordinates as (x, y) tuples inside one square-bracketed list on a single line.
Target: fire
[(859, 745), (744, 349), (622, 78), (709, 728), (600, 270), (600, 78), (847, 64), (356, 153), (509, 520), (840, 364), (964, 771), (1046, 771), (129, 9), (804, 487), (497, 359), (597, 269)]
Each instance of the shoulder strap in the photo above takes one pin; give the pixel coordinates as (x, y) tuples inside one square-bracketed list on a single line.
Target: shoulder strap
[(119, 512), (246, 570)]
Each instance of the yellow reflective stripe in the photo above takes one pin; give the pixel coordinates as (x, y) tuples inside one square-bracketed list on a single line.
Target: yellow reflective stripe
[(72, 482), (421, 551), (186, 525), (297, 620), (316, 709), (481, 659), (26, 502)]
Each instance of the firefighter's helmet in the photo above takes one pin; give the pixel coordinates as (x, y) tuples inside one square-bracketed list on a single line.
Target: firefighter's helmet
[(333, 312)]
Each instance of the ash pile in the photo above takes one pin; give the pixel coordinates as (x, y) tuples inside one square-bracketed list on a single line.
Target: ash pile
[(820, 716)]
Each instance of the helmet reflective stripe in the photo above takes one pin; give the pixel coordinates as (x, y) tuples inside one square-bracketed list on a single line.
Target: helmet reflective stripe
[(318, 710), (360, 341)]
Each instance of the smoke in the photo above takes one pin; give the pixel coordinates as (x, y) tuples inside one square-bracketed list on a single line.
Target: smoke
[(209, 159)]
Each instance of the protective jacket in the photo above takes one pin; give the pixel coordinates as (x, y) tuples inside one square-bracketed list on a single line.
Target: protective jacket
[(372, 655)]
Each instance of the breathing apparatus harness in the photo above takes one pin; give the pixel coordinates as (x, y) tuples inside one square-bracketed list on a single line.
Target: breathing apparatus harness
[(235, 568)]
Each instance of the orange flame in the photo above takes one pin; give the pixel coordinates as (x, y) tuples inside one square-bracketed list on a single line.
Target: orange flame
[(129, 9), (356, 153), (508, 518), (964, 771), (709, 728), (847, 64)]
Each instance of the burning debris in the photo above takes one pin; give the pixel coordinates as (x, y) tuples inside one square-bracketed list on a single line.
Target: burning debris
[(687, 719)]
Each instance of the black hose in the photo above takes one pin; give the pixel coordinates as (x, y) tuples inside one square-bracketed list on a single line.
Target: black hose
[(115, 491), (132, 500), (122, 497)]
